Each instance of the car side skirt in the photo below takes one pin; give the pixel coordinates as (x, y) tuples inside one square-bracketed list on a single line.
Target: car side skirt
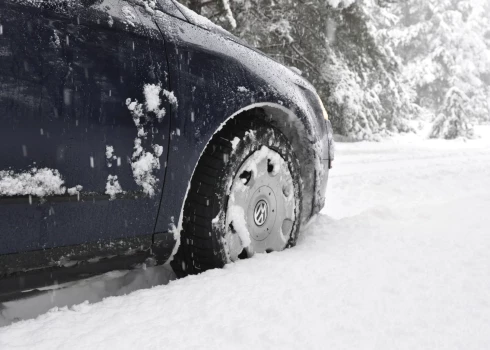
[(23, 274)]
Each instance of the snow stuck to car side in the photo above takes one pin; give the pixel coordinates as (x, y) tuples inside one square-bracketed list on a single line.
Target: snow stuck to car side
[(34, 182), (113, 187), (75, 191), (235, 142), (110, 156), (153, 100), (145, 159), (143, 164)]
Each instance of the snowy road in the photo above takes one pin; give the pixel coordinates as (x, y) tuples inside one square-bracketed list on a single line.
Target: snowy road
[(399, 259)]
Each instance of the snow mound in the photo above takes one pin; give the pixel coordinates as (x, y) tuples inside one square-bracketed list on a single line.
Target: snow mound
[(397, 260)]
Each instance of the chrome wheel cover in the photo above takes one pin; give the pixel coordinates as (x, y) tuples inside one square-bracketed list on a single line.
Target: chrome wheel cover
[(261, 208)]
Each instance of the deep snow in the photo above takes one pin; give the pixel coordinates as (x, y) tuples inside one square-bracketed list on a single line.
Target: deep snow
[(397, 260)]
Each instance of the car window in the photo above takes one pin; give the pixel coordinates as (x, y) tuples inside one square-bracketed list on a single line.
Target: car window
[(169, 8)]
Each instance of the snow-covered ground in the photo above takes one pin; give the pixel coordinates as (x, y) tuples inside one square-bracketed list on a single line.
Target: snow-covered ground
[(399, 259)]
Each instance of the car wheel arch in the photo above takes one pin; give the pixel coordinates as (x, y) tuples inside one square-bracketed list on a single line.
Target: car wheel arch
[(293, 123)]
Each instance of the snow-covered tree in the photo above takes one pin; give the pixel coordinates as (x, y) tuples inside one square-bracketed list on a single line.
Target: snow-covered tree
[(218, 10), (335, 44), (445, 44), (452, 121), (376, 63)]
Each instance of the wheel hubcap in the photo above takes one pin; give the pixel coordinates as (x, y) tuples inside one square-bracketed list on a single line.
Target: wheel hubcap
[(261, 207)]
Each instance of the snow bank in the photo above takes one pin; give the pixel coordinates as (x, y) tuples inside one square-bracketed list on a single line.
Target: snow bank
[(398, 260)]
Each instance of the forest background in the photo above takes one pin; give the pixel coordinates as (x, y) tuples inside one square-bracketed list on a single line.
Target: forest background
[(381, 66)]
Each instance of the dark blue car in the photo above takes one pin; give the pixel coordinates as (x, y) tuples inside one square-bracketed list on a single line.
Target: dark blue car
[(135, 131)]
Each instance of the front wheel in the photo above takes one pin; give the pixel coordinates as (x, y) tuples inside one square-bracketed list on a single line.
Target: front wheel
[(244, 198)]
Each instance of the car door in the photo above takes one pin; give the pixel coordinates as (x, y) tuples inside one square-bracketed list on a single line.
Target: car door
[(84, 136)]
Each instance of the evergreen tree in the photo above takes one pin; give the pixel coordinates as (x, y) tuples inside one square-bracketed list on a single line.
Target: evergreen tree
[(335, 45), (452, 121), (445, 44), (375, 63)]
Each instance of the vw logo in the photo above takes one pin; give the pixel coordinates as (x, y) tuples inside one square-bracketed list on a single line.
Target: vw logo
[(260, 213)]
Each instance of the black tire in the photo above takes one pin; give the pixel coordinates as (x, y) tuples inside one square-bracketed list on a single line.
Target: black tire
[(201, 247)]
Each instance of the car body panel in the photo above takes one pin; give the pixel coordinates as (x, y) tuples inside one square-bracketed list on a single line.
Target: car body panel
[(78, 70), (213, 78)]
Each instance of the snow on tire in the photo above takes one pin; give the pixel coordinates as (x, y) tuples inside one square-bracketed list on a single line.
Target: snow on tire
[(244, 198)]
